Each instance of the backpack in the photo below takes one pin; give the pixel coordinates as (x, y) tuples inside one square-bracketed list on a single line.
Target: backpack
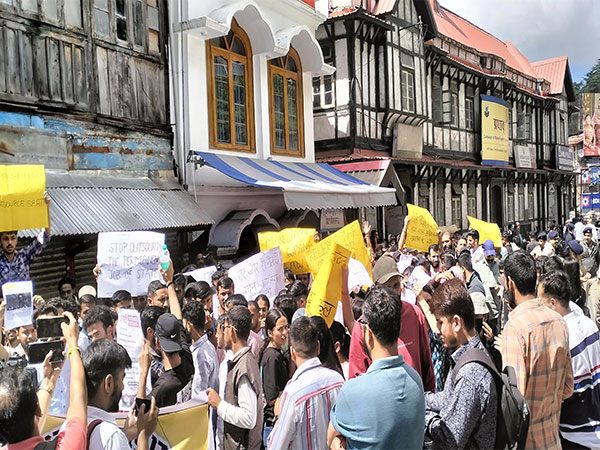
[(51, 445), (513, 413)]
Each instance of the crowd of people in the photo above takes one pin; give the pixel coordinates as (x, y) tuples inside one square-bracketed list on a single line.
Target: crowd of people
[(416, 363)]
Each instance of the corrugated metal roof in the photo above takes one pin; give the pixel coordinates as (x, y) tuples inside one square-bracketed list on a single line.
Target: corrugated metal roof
[(93, 204), (553, 70)]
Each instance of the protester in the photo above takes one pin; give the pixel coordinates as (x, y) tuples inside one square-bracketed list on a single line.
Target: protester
[(263, 308), (122, 299), (225, 289), (591, 260), (341, 342), (14, 264), (463, 415), (477, 252), (66, 288), (580, 413), (543, 248), (206, 361), (312, 388), (157, 294), (242, 407), (535, 341), (434, 258), (327, 354), (99, 323), (105, 363), (384, 408), (273, 366), (299, 293)]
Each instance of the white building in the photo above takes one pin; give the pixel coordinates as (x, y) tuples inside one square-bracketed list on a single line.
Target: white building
[(241, 98)]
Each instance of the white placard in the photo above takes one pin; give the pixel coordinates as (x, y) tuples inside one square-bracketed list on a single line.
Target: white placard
[(403, 262), (418, 277), (130, 336), (129, 261), (202, 274), (259, 274), (18, 296), (357, 274)]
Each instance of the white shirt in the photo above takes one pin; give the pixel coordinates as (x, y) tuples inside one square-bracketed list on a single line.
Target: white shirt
[(477, 255), (206, 367), (107, 435), (243, 415), (223, 367), (579, 231)]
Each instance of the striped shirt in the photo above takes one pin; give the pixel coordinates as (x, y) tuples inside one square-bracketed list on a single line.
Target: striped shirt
[(580, 414), (535, 341), (305, 405)]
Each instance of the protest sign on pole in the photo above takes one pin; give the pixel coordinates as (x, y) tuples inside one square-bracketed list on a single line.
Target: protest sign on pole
[(326, 290), (130, 336), (22, 203), (202, 274), (18, 296), (259, 274), (486, 231), (293, 243), (180, 427), (128, 260), (349, 237), (422, 229)]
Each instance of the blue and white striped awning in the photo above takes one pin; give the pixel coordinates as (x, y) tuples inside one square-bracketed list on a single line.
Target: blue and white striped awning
[(304, 185)]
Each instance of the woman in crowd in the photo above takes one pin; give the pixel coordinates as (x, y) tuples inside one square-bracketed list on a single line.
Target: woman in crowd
[(327, 354), (273, 365)]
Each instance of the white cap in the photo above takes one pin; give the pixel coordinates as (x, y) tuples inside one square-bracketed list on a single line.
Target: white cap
[(86, 290)]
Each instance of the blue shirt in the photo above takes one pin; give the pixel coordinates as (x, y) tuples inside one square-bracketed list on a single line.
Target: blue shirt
[(382, 409), (18, 269)]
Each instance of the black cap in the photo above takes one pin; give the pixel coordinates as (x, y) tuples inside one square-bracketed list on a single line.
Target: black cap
[(168, 330)]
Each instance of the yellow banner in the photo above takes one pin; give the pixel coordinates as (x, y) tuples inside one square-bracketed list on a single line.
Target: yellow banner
[(349, 237), (184, 429), (486, 231), (494, 131), (422, 229), (22, 203), (326, 290), (294, 244)]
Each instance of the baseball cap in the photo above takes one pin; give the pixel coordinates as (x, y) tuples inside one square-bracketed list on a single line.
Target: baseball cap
[(575, 247), (385, 268), (488, 248), (553, 234), (168, 330), (479, 304)]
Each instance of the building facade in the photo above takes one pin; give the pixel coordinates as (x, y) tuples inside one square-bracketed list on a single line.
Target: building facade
[(84, 91), (443, 171)]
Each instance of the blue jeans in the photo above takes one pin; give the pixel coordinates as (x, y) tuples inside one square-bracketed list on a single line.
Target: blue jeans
[(266, 432)]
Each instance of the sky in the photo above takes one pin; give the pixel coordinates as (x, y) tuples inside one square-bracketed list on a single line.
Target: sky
[(540, 29)]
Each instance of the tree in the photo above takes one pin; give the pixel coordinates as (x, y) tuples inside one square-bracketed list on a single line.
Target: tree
[(592, 79)]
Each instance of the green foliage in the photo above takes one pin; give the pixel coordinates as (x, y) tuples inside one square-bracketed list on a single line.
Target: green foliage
[(591, 82)]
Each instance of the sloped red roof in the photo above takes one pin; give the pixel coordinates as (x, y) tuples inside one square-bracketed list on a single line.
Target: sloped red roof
[(461, 30), (309, 2), (554, 71)]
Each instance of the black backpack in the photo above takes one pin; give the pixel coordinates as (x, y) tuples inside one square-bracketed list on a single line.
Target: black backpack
[(513, 414)]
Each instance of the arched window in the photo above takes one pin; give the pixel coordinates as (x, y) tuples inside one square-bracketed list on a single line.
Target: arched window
[(287, 118), (229, 62)]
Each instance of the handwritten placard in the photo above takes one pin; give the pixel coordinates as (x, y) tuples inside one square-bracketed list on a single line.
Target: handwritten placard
[(18, 296), (326, 291), (129, 261), (422, 229), (130, 336), (293, 243), (22, 203), (486, 231), (259, 274), (349, 237)]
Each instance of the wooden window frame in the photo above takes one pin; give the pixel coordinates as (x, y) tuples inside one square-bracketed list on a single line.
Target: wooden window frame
[(299, 106), (211, 52)]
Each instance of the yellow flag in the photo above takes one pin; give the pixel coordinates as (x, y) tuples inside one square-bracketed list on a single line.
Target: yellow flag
[(422, 229), (183, 427), (326, 290), (22, 203), (294, 244), (486, 231), (349, 237)]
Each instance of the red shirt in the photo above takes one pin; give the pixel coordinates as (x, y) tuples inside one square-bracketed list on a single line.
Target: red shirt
[(73, 437), (413, 344)]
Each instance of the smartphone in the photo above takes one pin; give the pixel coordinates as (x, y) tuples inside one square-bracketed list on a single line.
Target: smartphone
[(142, 401), (49, 327), (39, 350)]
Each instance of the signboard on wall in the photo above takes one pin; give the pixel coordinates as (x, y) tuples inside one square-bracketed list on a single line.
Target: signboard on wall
[(564, 158), (494, 131), (332, 219), (525, 156), (591, 124)]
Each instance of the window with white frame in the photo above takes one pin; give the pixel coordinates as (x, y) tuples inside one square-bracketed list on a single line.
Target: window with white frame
[(469, 113), (523, 123), (408, 82), (323, 86), (450, 105)]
